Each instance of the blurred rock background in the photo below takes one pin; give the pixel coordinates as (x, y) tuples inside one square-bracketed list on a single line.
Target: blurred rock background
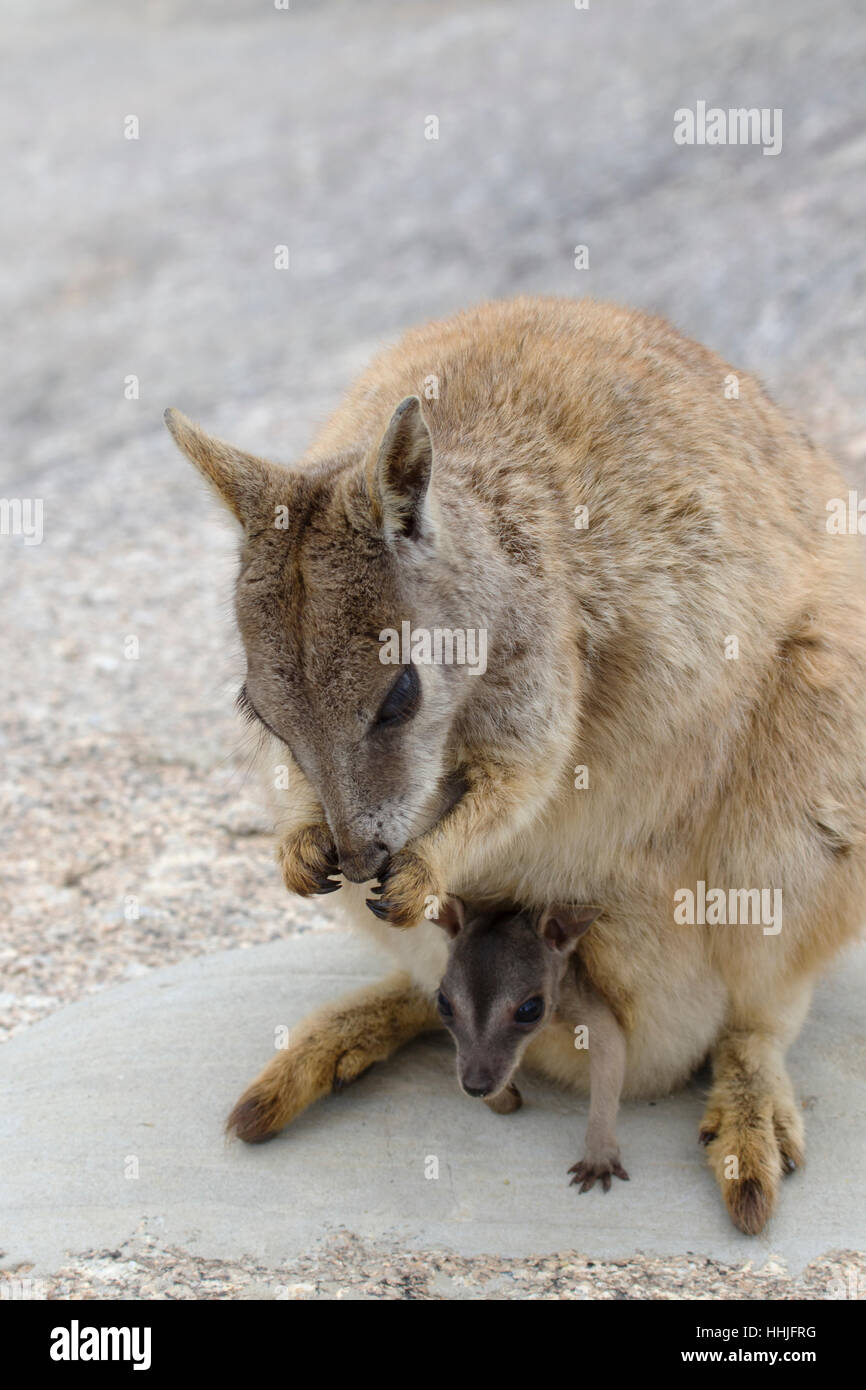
[(130, 834)]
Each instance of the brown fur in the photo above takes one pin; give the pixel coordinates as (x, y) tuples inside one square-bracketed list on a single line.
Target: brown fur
[(606, 650), (502, 958), (328, 1051)]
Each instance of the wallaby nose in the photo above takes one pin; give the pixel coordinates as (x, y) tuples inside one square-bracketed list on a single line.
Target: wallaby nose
[(359, 865), (476, 1077)]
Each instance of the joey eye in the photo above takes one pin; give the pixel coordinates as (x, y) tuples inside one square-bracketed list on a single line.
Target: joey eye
[(530, 1011), (402, 700), (444, 1006)]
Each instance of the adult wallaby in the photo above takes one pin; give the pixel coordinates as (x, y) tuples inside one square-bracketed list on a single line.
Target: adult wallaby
[(674, 695), (510, 973)]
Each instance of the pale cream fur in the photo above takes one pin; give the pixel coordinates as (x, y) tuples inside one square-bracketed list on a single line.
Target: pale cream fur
[(706, 520)]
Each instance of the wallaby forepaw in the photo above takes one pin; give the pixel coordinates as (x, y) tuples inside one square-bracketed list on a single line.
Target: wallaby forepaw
[(588, 1171), (405, 890), (308, 859), (506, 1102)]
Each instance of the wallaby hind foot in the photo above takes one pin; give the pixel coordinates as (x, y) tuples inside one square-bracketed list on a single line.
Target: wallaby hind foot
[(752, 1128), (330, 1049)]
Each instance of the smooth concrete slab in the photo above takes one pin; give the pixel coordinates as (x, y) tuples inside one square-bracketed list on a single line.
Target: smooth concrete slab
[(138, 1080)]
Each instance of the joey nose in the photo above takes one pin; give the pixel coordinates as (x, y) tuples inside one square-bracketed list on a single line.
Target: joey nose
[(482, 1090), (362, 864)]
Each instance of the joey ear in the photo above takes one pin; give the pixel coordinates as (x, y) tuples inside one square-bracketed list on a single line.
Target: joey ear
[(401, 473), (451, 916), (562, 927), (242, 482)]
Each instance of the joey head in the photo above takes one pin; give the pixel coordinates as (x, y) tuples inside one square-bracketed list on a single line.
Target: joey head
[(510, 972)]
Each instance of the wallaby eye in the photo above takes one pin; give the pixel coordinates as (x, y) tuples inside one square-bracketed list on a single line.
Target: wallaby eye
[(402, 699), (530, 1011), (444, 1005)]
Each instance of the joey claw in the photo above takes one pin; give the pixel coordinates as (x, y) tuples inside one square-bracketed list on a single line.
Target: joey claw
[(587, 1173)]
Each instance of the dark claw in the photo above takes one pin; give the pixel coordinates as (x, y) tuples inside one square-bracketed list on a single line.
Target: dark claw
[(327, 885), (587, 1180), (379, 909), (706, 1136), (581, 1176), (788, 1164)]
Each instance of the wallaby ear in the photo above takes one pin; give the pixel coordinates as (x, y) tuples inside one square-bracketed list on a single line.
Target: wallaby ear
[(562, 927), (452, 916), (401, 474), (241, 481)]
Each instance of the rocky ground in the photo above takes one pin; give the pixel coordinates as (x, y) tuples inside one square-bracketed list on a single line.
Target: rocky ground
[(131, 836), (348, 1268)]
